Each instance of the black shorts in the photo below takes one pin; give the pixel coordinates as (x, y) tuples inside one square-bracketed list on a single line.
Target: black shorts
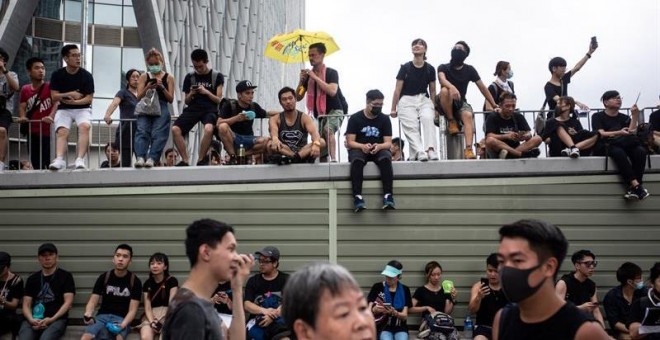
[(188, 119), (5, 119), (486, 331)]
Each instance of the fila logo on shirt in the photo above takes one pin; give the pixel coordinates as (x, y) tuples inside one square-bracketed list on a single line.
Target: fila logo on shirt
[(117, 291)]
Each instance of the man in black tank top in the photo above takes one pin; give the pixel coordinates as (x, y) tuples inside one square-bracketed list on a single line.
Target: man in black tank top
[(529, 256), (289, 130), (578, 288), (486, 298)]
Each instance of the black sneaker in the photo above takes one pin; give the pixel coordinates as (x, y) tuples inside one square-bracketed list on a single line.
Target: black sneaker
[(232, 160), (640, 192), (182, 163), (203, 161), (388, 202), (359, 204), (533, 153), (630, 195), (284, 160)]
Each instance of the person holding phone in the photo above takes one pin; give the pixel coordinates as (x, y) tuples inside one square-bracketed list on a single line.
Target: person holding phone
[(390, 301), (486, 298), (578, 288)]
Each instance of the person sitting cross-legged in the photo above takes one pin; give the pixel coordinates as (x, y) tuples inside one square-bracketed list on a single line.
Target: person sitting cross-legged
[(508, 134), (564, 133)]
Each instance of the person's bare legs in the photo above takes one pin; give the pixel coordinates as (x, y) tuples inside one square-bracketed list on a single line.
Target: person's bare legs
[(83, 139), (61, 144), (227, 138), (3, 144), (180, 144), (205, 143)]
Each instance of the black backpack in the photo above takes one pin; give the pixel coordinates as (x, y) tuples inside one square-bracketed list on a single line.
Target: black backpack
[(342, 101)]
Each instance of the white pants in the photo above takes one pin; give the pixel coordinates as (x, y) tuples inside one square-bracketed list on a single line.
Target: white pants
[(414, 111)]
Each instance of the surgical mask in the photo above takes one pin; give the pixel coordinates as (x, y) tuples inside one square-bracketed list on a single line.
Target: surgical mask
[(457, 57), (509, 74), (515, 285), (376, 110), (639, 285), (153, 68)]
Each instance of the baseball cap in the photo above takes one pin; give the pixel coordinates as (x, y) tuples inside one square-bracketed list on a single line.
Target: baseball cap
[(244, 85), (5, 260), (271, 252), (47, 247), (390, 271)]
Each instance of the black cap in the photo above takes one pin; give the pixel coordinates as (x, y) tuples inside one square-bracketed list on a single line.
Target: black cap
[(609, 95), (5, 260), (271, 252), (244, 85), (47, 247)]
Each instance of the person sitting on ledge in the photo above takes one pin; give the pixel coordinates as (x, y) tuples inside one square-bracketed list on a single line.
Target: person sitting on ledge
[(564, 133), (508, 134)]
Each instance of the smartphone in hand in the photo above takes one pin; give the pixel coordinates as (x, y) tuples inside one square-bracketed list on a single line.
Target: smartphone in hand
[(594, 42)]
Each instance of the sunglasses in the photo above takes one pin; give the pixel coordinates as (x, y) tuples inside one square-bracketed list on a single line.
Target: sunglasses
[(590, 264)]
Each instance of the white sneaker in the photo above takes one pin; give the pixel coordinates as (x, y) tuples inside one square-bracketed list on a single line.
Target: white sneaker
[(422, 157), (503, 153), (139, 162), (57, 164), (433, 155), (575, 152), (80, 164), (2, 166), (149, 163), (566, 152)]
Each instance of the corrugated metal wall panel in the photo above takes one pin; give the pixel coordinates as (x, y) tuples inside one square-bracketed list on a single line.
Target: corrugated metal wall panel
[(453, 221)]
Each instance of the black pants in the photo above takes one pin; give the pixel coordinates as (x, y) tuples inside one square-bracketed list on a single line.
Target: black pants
[(39, 150), (630, 161), (383, 160)]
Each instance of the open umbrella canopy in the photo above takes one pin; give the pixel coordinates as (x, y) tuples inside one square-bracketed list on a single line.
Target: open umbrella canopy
[(292, 47)]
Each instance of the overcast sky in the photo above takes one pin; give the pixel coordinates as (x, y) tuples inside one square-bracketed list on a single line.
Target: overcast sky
[(375, 38)]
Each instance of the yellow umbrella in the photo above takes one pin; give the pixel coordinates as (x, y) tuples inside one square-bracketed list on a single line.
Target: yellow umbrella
[(292, 47)]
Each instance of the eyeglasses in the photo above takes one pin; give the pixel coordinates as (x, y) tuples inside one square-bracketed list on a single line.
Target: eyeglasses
[(590, 264), (266, 261)]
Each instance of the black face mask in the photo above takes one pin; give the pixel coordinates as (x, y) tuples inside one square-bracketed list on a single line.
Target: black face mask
[(515, 285), (376, 110), (457, 57)]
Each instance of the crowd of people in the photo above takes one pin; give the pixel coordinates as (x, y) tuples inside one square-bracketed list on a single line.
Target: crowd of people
[(517, 298), (296, 137)]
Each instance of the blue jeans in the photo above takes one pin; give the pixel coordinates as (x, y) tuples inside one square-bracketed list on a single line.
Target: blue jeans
[(98, 328), (152, 134), (386, 335), (54, 331)]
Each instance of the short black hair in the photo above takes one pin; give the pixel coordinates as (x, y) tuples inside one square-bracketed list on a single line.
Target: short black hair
[(4, 54), (628, 271), (467, 48), (398, 141), (319, 46), (655, 272), (374, 94), (545, 239), (109, 144), (303, 290), (285, 90), (556, 62), (168, 151), (32, 61), (160, 257), (204, 231), (581, 254), (507, 95), (67, 48), (491, 260), (125, 247), (129, 73), (199, 55), (420, 41)]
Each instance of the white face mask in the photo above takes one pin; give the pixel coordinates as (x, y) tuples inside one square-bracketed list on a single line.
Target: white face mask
[(638, 285)]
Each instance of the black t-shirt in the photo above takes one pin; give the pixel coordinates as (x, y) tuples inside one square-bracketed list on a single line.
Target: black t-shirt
[(377, 293), (294, 136), (224, 288), (202, 103), (415, 79), (460, 78), (640, 308), (552, 90), (489, 306), (50, 290), (600, 120), (82, 81), (436, 300), (564, 324), (499, 126), (265, 293), (654, 120), (161, 290), (617, 308), (190, 317), (11, 289), (331, 103), (578, 292), (117, 294), (244, 128), (550, 131), (127, 104), (369, 130)]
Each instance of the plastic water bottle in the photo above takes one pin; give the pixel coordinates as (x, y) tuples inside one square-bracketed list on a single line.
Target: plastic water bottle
[(467, 328), (241, 155), (38, 311)]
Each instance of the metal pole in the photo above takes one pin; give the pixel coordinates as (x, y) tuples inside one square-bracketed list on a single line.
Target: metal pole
[(83, 33)]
